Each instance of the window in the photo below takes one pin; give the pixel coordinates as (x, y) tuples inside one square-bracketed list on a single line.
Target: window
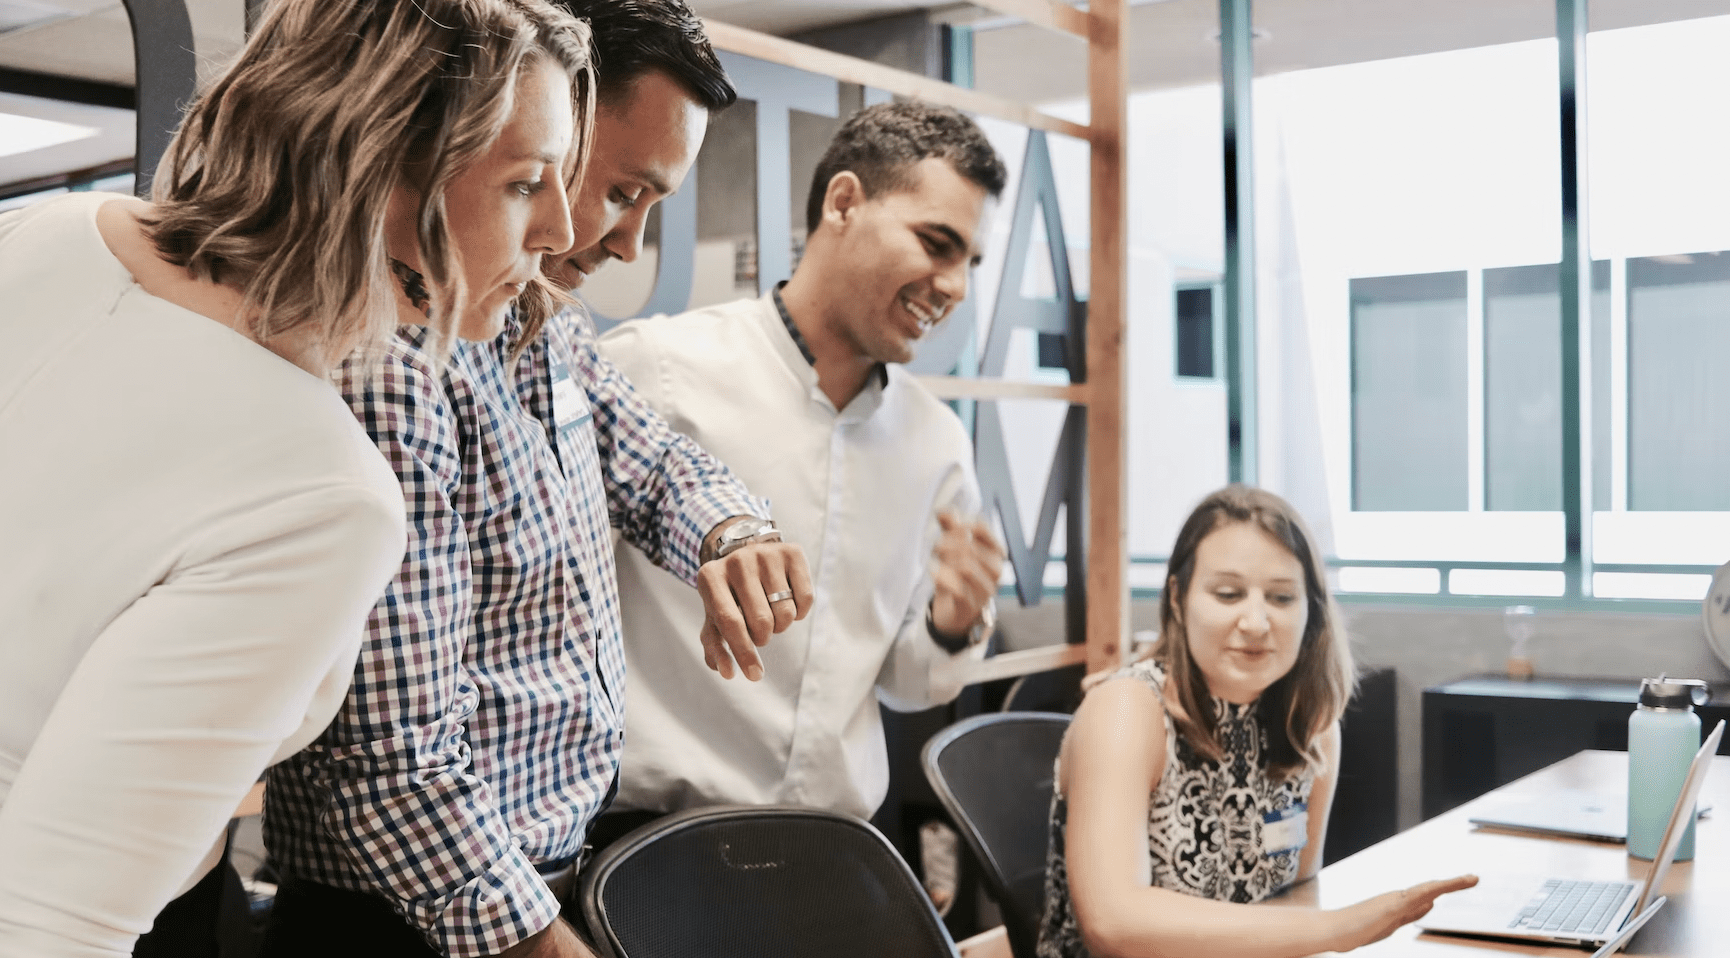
[(1409, 393), (1679, 383), (1052, 351), (1523, 387), (1198, 331)]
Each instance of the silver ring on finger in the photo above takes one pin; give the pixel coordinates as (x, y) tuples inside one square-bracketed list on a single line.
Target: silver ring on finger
[(781, 596)]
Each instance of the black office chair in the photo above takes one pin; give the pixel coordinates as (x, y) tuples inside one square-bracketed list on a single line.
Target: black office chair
[(993, 774), (761, 881)]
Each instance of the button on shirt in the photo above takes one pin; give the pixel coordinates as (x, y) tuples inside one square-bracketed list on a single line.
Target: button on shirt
[(859, 490), (484, 727)]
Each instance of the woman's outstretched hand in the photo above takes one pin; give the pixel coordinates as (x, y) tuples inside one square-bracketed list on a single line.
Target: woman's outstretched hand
[(1378, 917)]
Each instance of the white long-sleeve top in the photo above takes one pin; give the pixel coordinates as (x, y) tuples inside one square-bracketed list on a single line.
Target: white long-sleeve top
[(192, 532), (859, 489)]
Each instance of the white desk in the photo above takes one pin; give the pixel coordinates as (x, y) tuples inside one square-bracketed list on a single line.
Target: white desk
[(1694, 924)]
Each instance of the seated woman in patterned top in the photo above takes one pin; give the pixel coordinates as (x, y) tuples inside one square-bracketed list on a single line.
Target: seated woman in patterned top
[(1180, 802)]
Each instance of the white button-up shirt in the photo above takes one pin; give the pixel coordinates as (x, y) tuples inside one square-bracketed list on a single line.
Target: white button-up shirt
[(859, 489)]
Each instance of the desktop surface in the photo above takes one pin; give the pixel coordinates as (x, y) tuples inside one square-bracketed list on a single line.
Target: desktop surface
[(1694, 924)]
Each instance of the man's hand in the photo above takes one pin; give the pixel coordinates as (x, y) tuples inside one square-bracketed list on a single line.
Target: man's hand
[(969, 564), (557, 940), (738, 616)]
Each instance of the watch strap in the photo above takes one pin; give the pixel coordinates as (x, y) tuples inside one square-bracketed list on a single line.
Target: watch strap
[(978, 632)]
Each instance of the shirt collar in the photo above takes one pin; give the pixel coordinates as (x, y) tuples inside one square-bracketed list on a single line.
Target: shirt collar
[(799, 338)]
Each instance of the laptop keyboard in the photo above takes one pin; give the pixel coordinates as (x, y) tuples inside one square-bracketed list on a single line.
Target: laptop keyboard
[(1573, 907)]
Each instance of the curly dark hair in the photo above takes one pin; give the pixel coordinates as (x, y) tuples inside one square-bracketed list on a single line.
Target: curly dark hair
[(632, 37), (880, 144)]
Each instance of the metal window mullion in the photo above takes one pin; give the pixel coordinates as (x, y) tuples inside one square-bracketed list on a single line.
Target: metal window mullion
[(1477, 427), (1237, 78), (1618, 411), (1576, 289)]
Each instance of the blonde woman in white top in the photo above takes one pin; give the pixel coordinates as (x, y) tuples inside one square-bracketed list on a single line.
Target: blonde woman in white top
[(193, 525)]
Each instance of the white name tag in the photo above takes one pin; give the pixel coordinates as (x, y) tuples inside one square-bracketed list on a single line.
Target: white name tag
[(570, 414), (1285, 830), (568, 405)]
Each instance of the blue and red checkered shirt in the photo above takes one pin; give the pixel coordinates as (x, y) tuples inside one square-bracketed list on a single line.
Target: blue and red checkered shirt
[(484, 727)]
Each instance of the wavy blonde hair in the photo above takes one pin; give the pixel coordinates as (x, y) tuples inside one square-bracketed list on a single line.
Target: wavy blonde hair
[(280, 175), (1298, 708)]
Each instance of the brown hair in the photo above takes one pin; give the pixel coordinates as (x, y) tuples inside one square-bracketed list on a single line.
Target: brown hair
[(1304, 702), (280, 175)]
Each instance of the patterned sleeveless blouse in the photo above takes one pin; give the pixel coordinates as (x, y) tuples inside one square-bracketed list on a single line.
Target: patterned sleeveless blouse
[(1204, 823)]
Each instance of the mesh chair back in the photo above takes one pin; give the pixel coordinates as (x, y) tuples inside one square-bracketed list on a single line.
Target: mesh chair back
[(993, 774), (759, 881)]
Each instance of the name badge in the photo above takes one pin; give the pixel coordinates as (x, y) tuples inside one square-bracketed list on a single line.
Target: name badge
[(570, 410), (1285, 830)]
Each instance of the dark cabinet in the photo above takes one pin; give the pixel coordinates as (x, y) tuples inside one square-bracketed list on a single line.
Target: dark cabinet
[(1485, 731)]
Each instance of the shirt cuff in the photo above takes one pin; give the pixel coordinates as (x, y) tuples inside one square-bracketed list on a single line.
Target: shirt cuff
[(494, 910), (702, 516)]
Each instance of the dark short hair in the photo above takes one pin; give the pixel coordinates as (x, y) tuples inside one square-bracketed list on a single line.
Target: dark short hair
[(880, 144), (632, 37)]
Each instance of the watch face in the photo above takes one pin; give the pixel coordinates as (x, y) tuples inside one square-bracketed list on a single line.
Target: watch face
[(743, 529), (1715, 613)]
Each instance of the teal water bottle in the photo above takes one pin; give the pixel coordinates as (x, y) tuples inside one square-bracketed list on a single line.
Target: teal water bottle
[(1663, 735)]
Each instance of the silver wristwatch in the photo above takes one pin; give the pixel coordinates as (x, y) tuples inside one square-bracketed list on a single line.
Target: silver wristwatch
[(743, 533)]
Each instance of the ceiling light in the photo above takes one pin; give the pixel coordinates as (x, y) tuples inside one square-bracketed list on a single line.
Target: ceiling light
[(21, 134)]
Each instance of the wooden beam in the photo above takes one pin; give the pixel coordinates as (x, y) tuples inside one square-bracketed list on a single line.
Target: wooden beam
[(968, 387), (1050, 14), (1107, 360), (762, 46), (1008, 665)]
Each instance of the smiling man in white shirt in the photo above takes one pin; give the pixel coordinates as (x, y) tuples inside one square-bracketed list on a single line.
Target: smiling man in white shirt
[(801, 394)]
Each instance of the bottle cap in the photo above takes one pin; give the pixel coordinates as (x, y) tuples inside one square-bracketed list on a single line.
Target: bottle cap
[(1664, 692)]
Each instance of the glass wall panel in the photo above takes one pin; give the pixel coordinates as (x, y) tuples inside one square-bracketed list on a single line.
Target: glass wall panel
[(1660, 204), (1392, 175), (1409, 393), (1523, 387), (1679, 382)]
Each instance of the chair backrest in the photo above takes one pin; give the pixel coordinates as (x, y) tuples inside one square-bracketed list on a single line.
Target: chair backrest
[(761, 881), (993, 774)]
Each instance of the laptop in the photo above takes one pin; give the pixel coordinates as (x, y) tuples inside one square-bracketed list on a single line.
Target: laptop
[(1566, 910), (1566, 813), (1570, 813), (1634, 924)]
